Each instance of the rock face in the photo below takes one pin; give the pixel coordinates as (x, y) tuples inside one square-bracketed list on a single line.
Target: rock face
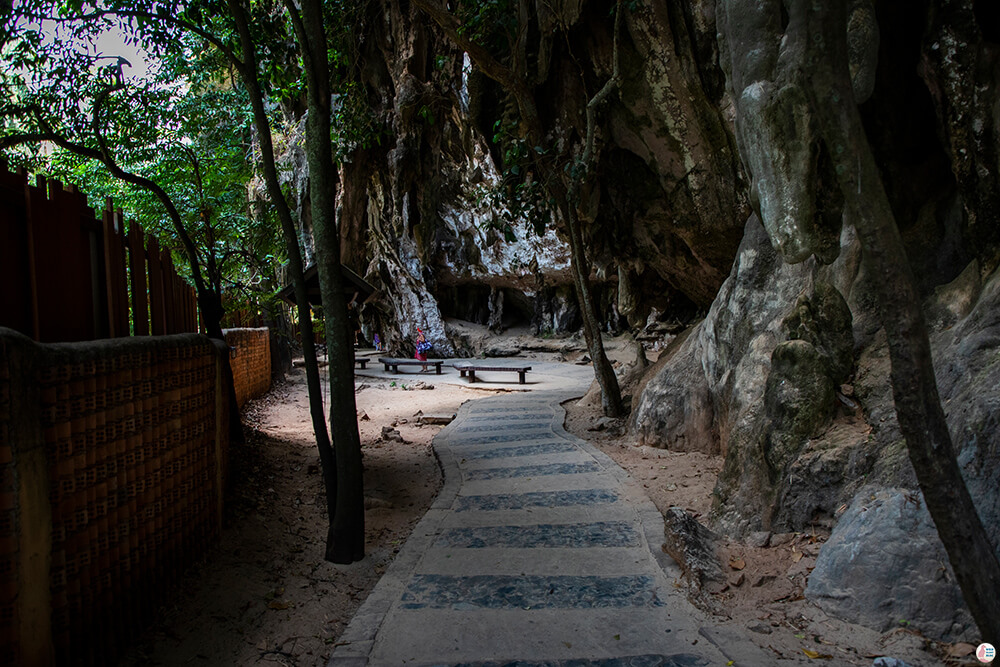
[(884, 566), (424, 213), (755, 381)]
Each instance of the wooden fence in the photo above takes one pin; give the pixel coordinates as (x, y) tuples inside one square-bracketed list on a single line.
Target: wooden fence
[(70, 276)]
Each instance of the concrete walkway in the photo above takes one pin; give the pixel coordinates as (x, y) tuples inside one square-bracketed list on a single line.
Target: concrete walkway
[(539, 550)]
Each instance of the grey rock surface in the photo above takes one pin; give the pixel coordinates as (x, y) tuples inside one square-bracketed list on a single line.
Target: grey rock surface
[(675, 409), (883, 566)]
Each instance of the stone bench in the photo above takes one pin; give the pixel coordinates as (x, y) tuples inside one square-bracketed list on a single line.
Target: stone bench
[(362, 362), (471, 368), (394, 364)]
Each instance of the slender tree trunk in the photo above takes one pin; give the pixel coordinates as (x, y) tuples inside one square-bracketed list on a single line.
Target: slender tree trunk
[(918, 406), (346, 539), (611, 397), (248, 72), (210, 304)]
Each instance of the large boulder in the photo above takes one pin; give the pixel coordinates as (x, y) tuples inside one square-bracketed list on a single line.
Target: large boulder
[(674, 411), (884, 566), (755, 381)]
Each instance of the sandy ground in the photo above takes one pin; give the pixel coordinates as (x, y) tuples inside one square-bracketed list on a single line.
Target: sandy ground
[(264, 594)]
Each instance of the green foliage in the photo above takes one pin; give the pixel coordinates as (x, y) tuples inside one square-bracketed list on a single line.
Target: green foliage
[(353, 123), (519, 195), (185, 126), (426, 114)]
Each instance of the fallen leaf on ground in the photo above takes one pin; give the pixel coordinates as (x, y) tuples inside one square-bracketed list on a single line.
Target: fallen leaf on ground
[(280, 605), (816, 656), (737, 563), (796, 556), (960, 650)]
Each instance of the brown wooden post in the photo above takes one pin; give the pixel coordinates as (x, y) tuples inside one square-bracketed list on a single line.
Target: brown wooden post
[(121, 275), (137, 272), (192, 310), (114, 271), (156, 297), (30, 198), (169, 289), (107, 234)]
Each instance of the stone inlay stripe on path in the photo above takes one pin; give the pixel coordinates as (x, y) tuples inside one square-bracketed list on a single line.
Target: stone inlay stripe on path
[(553, 447), (533, 471), (574, 535), (480, 439), (517, 501), (676, 660), (477, 439), (517, 416), (509, 407), (512, 426), (441, 591)]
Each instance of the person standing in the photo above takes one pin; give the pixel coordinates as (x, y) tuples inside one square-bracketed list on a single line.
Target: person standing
[(422, 348)]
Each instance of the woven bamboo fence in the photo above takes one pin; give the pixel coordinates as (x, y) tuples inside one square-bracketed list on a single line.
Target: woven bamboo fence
[(250, 360), (112, 467)]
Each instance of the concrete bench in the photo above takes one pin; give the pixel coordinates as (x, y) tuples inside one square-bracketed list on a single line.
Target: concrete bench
[(464, 367), (362, 362), (394, 364)]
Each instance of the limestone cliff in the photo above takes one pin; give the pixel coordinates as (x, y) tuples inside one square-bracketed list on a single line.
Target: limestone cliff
[(423, 210)]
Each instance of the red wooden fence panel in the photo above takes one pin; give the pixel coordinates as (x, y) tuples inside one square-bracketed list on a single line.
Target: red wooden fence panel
[(69, 276), (16, 265), (137, 273), (115, 274), (65, 263), (169, 289), (157, 314)]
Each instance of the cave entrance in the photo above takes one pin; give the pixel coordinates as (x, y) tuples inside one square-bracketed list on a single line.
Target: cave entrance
[(500, 308)]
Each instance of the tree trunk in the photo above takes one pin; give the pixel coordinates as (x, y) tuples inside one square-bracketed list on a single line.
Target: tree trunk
[(823, 33), (248, 72), (346, 538), (611, 396), (210, 304)]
